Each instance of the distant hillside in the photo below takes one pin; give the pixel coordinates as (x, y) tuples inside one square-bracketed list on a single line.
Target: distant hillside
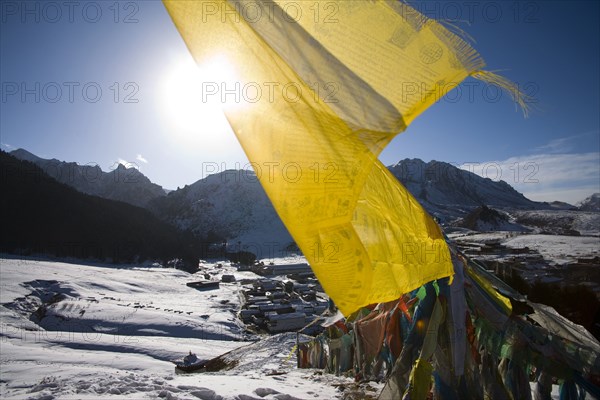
[(123, 184), (560, 222), (487, 219), (42, 216), (592, 203), (230, 205), (449, 192), (561, 205)]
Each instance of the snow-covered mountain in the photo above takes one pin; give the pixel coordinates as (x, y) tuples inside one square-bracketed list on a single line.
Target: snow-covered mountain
[(592, 203), (123, 184), (560, 222), (449, 192), (231, 206), (487, 219), (43, 216)]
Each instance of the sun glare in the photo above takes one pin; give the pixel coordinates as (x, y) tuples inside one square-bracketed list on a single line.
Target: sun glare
[(195, 98)]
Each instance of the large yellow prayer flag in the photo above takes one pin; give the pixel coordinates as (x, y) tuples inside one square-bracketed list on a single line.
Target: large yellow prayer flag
[(321, 88)]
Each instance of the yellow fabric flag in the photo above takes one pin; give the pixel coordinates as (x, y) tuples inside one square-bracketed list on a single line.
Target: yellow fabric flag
[(321, 88)]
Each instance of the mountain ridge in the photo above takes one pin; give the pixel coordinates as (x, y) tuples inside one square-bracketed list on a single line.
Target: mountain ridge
[(41, 215), (448, 192), (591, 203), (232, 207), (123, 184)]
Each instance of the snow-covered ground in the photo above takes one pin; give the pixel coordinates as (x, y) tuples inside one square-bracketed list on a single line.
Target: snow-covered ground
[(559, 249), (86, 332), (557, 221), (555, 249)]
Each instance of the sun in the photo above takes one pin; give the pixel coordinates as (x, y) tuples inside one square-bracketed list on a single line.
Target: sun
[(195, 96)]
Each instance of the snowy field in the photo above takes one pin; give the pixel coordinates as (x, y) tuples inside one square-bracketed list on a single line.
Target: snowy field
[(73, 331), (559, 249), (586, 223), (556, 249)]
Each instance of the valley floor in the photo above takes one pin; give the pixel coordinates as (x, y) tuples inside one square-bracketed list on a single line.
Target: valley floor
[(86, 332), (75, 331), (570, 260)]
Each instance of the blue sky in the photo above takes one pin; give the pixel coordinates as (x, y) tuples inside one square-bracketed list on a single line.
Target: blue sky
[(94, 82)]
